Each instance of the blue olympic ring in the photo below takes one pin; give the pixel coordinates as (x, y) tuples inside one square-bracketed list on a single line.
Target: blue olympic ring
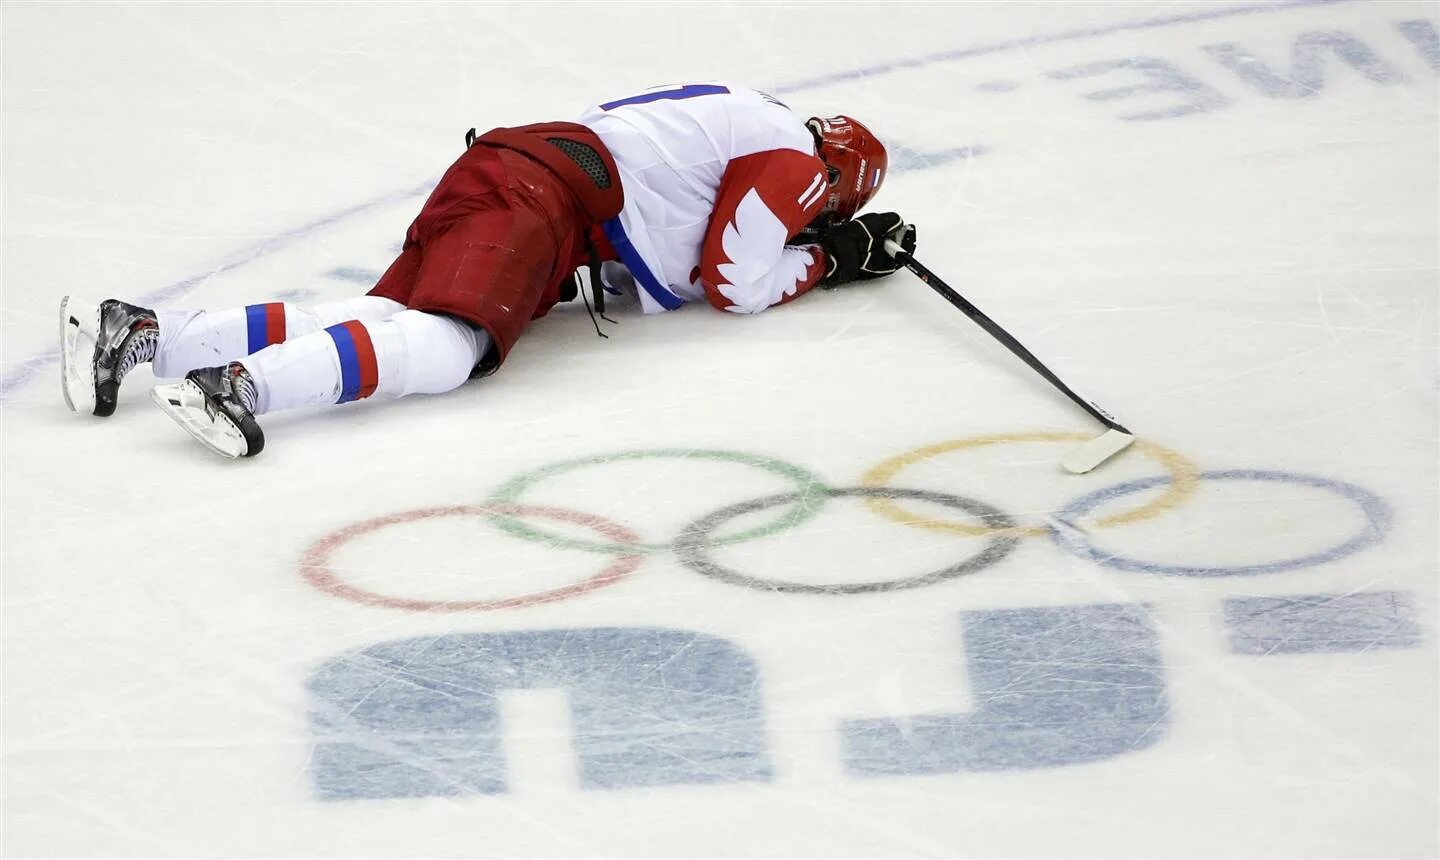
[(1377, 521)]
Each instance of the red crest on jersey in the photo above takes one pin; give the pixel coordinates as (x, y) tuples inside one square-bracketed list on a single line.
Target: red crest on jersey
[(855, 159)]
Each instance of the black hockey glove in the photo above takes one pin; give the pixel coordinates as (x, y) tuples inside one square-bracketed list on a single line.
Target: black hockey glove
[(855, 250)]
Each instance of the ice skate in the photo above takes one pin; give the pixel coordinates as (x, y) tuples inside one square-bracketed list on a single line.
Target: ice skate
[(98, 346), (215, 405)]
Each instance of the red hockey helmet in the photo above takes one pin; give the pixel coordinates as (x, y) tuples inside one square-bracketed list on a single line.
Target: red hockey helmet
[(855, 159)]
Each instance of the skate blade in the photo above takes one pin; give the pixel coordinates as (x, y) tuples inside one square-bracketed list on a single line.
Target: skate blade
[(79, 330), (185, 403)]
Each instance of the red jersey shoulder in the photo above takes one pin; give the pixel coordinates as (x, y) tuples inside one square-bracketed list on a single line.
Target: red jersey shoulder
[(765, 199), (792, 184)]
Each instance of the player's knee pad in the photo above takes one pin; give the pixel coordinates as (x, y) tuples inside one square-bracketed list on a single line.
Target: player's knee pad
[(425, 353), (409, 353)]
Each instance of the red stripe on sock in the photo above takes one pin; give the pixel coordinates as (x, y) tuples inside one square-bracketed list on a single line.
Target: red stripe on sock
[(275, 322), (365, 354)]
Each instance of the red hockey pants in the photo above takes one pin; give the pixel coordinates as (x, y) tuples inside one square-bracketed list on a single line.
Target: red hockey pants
[(492, 245)]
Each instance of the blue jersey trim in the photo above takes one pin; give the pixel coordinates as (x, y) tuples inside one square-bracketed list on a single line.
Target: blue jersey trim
[(636, 264)]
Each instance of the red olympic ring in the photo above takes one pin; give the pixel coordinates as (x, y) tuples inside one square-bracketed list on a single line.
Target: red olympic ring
[(315, 563)]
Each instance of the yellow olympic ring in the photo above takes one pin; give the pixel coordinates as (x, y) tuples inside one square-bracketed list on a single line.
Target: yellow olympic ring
[(1184, 478)]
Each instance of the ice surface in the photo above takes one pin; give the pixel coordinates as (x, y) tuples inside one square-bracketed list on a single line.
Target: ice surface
[(465, 625)]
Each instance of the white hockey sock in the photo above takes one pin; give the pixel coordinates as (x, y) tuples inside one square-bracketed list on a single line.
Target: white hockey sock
[(193, 339), (411, 352)]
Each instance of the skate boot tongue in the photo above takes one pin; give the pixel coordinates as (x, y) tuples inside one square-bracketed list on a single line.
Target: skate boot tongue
[(242, 385)]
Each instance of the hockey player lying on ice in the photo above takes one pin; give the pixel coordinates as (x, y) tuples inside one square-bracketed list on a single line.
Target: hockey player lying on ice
[(694, 193)]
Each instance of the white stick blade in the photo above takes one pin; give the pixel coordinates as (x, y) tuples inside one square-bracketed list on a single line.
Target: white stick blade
[(1091, 454)]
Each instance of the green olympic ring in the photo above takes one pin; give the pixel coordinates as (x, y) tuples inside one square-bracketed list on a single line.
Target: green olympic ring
[(811, 496)]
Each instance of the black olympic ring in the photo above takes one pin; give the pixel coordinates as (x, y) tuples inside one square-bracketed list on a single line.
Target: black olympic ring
[(694, 541)]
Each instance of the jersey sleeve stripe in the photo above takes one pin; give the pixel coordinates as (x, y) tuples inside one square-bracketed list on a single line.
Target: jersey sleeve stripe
[(814, 186)]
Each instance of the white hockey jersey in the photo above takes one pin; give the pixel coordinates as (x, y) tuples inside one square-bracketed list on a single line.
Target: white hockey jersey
[(717, 180)]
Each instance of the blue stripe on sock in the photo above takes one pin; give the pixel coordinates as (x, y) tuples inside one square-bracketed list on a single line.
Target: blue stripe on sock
[(255, 328), (349, 362)]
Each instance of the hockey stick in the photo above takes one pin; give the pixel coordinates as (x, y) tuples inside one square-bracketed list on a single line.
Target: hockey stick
[(1079, 460)]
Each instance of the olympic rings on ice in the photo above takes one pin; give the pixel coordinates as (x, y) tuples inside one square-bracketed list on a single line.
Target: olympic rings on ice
[(691, 547), (1181, 475), (807, 500), (315, 566), (695, 545), (1376, 511)]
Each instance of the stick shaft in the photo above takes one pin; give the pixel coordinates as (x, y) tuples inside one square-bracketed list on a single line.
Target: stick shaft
[(994, 330)]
